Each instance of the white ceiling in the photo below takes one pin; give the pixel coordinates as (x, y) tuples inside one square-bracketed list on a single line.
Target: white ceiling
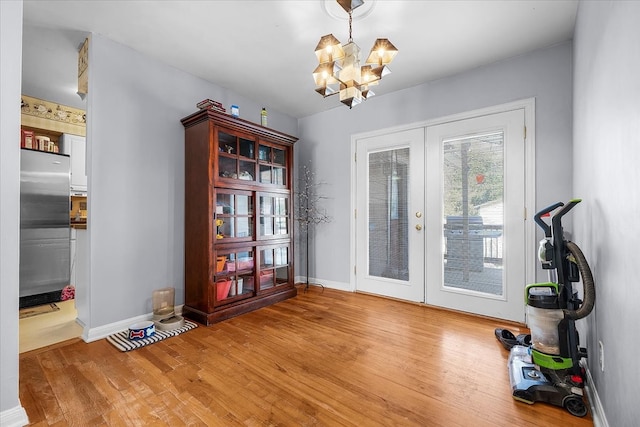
[(264, 49)]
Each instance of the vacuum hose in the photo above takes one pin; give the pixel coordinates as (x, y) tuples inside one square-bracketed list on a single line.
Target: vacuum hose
[(588, 285)]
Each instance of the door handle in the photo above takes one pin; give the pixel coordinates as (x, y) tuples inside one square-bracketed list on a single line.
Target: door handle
[(418, 227)]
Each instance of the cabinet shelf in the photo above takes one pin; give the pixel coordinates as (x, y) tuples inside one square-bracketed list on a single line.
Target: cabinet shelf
[(238, 216)]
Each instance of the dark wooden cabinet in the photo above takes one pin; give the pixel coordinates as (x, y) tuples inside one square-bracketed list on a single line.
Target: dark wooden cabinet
[(238, 216)]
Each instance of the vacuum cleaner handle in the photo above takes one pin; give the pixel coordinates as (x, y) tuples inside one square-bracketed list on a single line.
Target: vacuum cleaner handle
[(538, 218), (566, 209), (556, 220)]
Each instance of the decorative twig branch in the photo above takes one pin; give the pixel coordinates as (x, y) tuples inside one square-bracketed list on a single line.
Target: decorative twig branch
[(308, 212)]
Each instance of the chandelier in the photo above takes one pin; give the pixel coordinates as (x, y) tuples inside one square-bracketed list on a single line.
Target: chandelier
[(339, 70)]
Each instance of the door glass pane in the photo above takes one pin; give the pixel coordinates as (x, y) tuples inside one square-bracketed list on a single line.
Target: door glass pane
[(265, 174), (247, 171), (234, 274), (282, 275), (266, 258), (388, 206), (264, 153), (473, 206), (281, 206), (281, 226), (227, 167), (281, 256), (226, 142), (246, 148), (244, 227), (278, 176), (266, 224), (244, 205), (278, 156)]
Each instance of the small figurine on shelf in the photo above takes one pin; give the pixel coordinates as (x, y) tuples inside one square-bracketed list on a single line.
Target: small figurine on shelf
[(219, 223)]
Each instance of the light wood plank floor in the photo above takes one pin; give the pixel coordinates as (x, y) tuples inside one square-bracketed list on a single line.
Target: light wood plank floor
[(50, 328), (321, 359)]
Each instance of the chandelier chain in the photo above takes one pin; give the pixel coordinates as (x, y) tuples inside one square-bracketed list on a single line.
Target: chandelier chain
[(350, 21)]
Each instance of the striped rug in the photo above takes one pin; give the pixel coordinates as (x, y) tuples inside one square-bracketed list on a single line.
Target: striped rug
[(121, 341)]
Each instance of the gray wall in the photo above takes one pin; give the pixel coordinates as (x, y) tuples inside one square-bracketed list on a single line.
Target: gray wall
[(325, 138), (135, 145), (50, 64), (10, 53), (606, 174)]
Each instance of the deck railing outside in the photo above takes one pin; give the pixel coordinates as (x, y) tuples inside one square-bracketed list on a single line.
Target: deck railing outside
[(492, 239)]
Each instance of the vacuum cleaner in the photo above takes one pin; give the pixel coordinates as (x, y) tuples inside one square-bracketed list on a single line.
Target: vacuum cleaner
[(545, 366)]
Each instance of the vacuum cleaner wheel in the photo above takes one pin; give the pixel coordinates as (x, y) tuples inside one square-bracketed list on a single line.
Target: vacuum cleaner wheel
[(575, 406)]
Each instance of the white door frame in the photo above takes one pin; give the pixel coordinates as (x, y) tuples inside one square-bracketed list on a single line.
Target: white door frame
[(530, 176)]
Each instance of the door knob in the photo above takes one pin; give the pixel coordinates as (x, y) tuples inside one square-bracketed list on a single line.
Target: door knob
[(418, 214), (418, 227)]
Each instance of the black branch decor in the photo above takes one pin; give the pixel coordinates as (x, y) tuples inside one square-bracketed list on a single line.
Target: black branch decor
[(308, 211)]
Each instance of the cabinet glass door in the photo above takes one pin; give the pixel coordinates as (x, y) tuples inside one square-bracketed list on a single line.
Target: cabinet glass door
[(236, 157), (274, 215), (234, 275), (234, 215), (274, 266), (272, 165)]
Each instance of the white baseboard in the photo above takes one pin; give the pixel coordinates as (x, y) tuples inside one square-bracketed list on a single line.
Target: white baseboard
[(314, 281), (14, 417), (95, 334), (597, 411)]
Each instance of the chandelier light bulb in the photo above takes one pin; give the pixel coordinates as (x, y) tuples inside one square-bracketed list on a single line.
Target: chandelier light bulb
[(366, 74)]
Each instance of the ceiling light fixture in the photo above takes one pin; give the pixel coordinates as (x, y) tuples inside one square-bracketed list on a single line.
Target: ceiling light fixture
[(339, 70)]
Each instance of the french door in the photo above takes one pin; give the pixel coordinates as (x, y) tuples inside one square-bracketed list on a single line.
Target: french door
[(440, 215), (390, 215)]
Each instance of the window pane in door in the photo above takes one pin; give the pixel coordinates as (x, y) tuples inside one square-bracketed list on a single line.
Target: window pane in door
[(388, 206), (278, 176), (281, 226), (473, 206), (244, 227), (244, 205), (278, 156), (265, 174), (266, 224)]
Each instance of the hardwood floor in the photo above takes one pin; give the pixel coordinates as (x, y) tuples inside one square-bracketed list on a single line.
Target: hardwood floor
[(326, 358)]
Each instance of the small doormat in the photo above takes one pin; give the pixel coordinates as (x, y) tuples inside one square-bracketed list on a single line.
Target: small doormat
[(39, 309), (121, 341)]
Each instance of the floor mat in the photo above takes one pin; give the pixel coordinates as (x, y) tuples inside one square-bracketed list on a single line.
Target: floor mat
[(121, 341), (39, 309)]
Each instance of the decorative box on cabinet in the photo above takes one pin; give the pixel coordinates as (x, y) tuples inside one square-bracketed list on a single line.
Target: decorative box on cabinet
[(238, 216)]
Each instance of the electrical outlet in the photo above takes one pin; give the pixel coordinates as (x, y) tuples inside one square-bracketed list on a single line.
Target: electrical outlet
[(601, 355)]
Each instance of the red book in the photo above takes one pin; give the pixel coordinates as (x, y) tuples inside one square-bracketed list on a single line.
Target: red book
[(27, 139)]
